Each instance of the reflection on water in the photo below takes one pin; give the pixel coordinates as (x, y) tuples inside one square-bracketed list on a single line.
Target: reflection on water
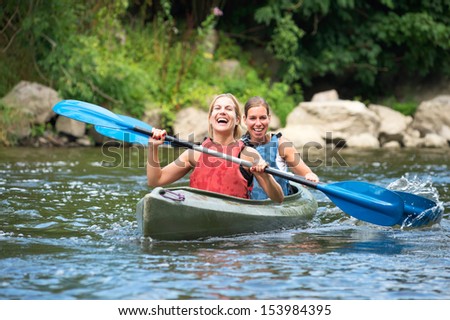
[(68, 231)]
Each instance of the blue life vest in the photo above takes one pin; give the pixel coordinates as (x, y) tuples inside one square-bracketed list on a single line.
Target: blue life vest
[(269, 153)]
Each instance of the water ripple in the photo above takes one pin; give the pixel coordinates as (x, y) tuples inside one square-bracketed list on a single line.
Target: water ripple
[(68, 231)]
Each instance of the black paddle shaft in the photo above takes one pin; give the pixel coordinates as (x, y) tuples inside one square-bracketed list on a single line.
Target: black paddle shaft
[(292, 177), (174, 141)]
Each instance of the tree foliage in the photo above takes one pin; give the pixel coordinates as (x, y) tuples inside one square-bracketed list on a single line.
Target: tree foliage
[(136, 55), (368, 45), (128, 57)]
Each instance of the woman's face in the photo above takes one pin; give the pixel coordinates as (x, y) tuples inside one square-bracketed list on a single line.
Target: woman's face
[(223, 115), (257, 122)]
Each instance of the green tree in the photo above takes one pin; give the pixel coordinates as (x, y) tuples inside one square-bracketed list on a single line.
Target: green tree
[(366, 45)]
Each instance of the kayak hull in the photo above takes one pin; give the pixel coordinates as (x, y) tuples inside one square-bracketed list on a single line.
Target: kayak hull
[(185, 213)]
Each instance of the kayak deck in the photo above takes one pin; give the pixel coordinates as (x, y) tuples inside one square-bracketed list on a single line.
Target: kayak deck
[(185, 213)]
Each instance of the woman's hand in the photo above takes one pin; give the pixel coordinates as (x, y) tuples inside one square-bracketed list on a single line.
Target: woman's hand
[(259, 167), (157, 138), (311, 176)]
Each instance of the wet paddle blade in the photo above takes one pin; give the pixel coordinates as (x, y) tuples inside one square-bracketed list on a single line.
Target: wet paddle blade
[(365, 201), (127, 135), (90, 113), (419, 211)]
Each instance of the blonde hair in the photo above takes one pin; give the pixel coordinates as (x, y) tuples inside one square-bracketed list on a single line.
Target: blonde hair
[(237, 129)]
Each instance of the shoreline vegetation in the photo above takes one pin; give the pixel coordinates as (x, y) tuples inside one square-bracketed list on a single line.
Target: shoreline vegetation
[(161, 61)]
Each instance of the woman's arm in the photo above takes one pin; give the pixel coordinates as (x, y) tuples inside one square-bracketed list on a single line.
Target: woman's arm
[(294, 160), (157, 176), (265, 180)]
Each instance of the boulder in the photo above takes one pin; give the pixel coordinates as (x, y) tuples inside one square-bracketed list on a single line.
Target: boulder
[(392, 145), (336, 120), (445, 132), (84, 141), (363, 140), (304, 136), (393, 124), (275, 122), (191, 124), (35, 101), (70, 127), (412, 139), (153, 117), (433, 116), (330, 95), (432, 140)]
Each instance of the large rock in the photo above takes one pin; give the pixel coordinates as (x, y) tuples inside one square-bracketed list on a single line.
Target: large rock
[(432, 140), (275, 122), (153, 117), (304, 136), (330, 95), (336, 120), (70, 127), (412, 139), (363, 140), (392, 145), (34, 101), (445, 132), (191, 124), (393, 124), (433, 116)]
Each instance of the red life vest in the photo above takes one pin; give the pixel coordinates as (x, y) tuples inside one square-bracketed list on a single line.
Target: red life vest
[(219, 175)]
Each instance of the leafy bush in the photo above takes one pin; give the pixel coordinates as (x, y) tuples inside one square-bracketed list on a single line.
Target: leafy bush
[(131, 56), (365, 45), (407, 107)]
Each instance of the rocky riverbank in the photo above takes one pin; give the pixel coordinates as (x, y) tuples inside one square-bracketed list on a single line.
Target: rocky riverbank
[(325, 120)]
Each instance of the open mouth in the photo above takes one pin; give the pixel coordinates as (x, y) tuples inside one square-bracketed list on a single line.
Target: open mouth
[(222, 121), (258, 130)]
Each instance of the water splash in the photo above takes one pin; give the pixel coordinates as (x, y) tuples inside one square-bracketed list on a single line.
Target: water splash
[(425, 189)]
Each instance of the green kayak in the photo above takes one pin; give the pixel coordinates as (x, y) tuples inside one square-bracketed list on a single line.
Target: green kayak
[(185, 213)]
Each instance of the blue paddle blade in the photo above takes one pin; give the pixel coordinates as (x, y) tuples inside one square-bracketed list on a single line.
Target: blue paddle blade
[(419, 211), (126, 135), (89, 113), (365, 201)]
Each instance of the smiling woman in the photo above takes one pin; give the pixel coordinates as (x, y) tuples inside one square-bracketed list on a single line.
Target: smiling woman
[(224, 115), (275, 149), (212, 173)]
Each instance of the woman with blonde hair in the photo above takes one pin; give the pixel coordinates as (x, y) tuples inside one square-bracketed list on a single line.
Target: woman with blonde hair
[(211, 173)]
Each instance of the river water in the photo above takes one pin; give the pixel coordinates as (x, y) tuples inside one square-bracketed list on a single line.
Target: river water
[(68, 231)]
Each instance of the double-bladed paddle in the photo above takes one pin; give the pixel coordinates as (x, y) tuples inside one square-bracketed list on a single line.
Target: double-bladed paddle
[(362, 200)]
